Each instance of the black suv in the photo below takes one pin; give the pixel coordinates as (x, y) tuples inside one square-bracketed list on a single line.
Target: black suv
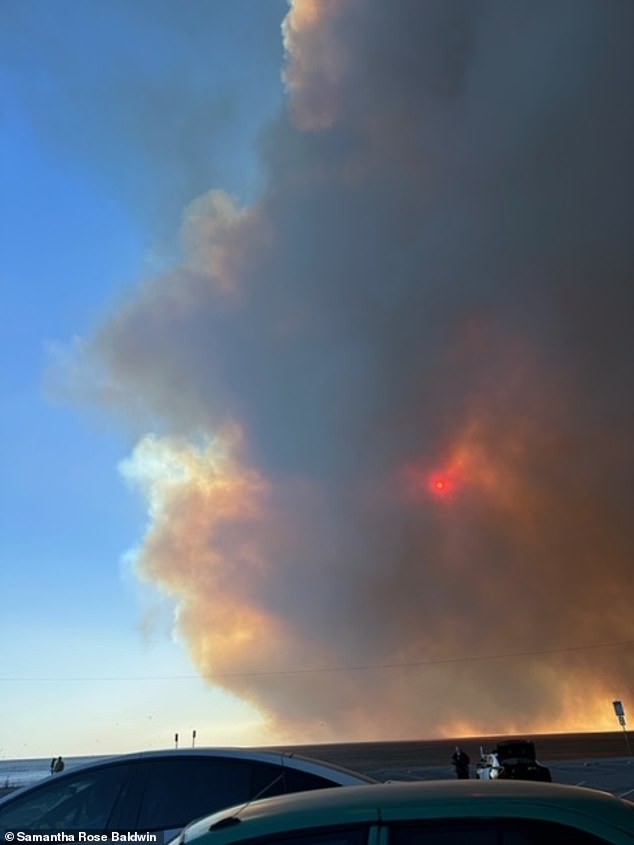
[(517, 761)]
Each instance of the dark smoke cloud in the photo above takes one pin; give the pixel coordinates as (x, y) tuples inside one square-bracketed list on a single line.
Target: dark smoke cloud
[(437, 278)]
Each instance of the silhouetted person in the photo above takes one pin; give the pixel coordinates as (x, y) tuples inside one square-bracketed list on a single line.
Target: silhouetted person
[(59, 765), (52, 765), (461, 761)]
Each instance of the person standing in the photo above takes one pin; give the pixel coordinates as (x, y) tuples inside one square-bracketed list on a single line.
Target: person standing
[(460, 760), (53, 765)]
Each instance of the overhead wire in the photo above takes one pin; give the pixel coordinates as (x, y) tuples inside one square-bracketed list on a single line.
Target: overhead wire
[(344, 668)]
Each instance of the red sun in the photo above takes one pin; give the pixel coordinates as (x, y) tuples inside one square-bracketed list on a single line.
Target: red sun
[(439, 485), (420, 482)]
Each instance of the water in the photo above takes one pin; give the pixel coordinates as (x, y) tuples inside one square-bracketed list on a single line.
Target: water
[(16, 773)]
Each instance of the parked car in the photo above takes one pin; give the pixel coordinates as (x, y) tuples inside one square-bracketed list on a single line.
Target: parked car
[(517, 761), (512, 760), (461, 812), (488, 766), (162, 790)]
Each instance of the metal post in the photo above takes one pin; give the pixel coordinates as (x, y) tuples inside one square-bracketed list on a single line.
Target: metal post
[(627, 739), (620, 714)]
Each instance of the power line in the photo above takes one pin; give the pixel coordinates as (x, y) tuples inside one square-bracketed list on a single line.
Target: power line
[(362, 667)]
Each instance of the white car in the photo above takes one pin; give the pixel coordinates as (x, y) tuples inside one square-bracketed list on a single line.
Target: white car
[(162, 790), (488, 767)]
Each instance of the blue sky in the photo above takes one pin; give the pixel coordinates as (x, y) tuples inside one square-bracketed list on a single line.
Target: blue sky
[(269, 273), (89, 202)]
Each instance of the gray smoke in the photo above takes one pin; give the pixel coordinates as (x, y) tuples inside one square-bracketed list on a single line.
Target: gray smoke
[(436, 281)]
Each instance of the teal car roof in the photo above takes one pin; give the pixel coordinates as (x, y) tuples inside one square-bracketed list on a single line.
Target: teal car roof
[(412, 800)]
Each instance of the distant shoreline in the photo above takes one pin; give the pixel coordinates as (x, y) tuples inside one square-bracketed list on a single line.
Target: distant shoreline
[(436, 752), (559, 746)]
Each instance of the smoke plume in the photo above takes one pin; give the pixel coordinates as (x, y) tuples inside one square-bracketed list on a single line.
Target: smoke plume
[(390, 460)]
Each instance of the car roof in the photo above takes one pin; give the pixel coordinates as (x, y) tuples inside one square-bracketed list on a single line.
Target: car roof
[(263, 755), (288, 759), (413, 800)]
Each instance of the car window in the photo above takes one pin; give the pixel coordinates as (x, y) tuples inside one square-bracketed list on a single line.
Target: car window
[(269, 780), (180, 790), (490, 832), (83, 800)]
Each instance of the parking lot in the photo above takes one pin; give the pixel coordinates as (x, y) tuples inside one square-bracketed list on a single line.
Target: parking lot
[(592, 760), (613, 775)]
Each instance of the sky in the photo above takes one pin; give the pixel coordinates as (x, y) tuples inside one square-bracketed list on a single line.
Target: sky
[(317, 371)]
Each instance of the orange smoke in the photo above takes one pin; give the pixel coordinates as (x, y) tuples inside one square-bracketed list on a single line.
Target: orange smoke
[(423, 331)]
